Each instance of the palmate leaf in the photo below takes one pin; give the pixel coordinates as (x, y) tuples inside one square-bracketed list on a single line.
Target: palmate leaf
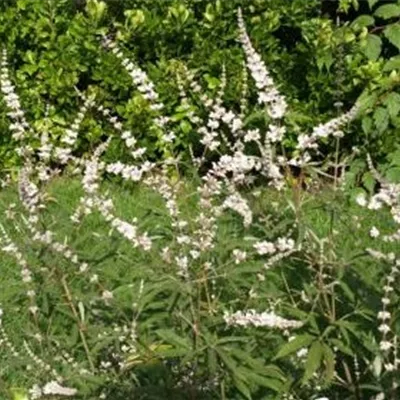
[(256, 373), (154, 354), (253, 377), (242, 386), (257, 365), (239, 380)]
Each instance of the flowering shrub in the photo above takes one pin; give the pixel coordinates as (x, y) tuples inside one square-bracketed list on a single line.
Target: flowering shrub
[(316, 61), (166, 303)]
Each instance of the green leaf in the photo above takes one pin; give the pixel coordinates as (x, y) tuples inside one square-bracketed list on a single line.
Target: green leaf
[(373, 47), (392, 63), (381, 119), (169, 336), (242, 387), (95, 9), (394, 158), (135, 17), (392, 33), (212, 82), (367, 100), (393, 174), (185, 126), (257, 365), (209, 15), (260, 380), (387, 11), (329, 359), (297, 343), (392, 102), (362, 21), (342, 347), (325, 60), (212, 361), (314, 360), (371, 3), (347, 291), (366, 124), (368, 181), (226, 359), (178, 116)]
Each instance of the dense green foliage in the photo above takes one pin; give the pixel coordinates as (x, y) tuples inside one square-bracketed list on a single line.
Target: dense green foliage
[(54, 46), (125, 321), (219, 361)]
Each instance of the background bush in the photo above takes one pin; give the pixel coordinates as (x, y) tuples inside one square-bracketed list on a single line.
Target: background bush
[(321, 53)]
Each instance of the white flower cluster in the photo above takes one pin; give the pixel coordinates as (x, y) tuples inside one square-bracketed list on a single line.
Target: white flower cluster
[(331, 128), (245, 87), (93, 199), (388, 195), (129, 172), (239, 256), (264, 319), (218, 114), (140, 79), (5, 340), (52, 388), (69, 138), (281, 245), (39, 363), (268, 94), (28, 191), (126, 135), (237, 203), (190, 243), (19, 125), (11, 248), (238, 164)]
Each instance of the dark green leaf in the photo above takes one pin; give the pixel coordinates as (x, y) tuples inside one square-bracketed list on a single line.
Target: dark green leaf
[(169, 336), (381, 119), (297, 343), (392, 102), (371, 3), (329, 360), (314, 360), (392, 33), (392, 63), (242, 387), (373, 47), (252, 376)]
